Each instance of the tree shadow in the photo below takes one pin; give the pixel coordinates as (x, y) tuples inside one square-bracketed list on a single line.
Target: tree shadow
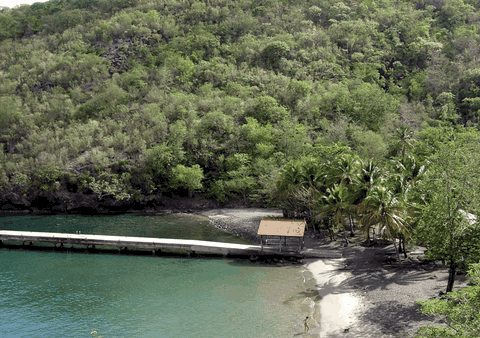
[(392, 318), (391, 289), (373, 269), (309, 293)]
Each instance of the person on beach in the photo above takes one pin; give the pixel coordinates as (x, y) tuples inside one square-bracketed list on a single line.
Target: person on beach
[(305, 321)]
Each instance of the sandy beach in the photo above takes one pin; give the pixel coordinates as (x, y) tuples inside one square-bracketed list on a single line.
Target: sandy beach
[(363, 294)]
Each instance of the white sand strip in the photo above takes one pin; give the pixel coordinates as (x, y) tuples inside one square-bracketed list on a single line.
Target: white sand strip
[(337, 307)]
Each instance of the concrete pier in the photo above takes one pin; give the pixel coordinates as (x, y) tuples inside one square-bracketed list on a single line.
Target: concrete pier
[(154, 244)]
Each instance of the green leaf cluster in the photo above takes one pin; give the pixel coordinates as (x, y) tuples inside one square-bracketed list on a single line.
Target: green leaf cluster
[(97, 88), (459, 311)]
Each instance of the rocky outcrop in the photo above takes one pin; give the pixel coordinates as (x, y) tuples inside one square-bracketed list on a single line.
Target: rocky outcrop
[(37, 201), (224, 224), (118, 54)]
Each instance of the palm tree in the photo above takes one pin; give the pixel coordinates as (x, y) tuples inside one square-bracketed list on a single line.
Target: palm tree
[(370, 175), (405, 175), (300, 185), (337, 205), (290, 179), (312, 188), (409, 167), (313, 173), (310, 199), (403, 141), (382, 207), (345, 170)]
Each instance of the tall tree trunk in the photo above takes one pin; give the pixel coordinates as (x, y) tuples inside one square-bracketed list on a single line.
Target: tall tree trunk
[(341, 221), (396, 250), (331, 232), (352, 234), (404, 250), (452, 270)]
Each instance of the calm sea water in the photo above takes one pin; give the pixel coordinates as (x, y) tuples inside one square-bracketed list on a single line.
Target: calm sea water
[(60, 294)]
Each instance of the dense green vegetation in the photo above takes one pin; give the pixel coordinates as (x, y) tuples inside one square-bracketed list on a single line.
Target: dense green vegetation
[(126, 102), (459, 310), (434, 204), (122, 100), (335, 111)]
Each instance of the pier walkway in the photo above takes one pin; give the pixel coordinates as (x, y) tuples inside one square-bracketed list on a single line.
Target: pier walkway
[(155, 244)]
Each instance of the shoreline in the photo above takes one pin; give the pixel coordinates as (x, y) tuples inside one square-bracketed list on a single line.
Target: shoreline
[(363, 294), (337, 307), (244, 223)]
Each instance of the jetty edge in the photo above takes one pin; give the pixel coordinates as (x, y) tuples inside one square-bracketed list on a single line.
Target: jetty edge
[(155, 244)]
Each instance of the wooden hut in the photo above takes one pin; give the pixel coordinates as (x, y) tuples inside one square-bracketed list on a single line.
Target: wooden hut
[(284, 233)]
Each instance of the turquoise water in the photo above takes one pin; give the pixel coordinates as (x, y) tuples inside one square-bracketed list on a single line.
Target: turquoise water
[(60, 294), (187, 226)]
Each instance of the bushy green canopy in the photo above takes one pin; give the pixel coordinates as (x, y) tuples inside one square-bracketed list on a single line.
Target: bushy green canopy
[(94, 89)]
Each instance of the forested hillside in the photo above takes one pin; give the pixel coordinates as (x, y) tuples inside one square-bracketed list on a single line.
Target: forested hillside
[(128, 102)]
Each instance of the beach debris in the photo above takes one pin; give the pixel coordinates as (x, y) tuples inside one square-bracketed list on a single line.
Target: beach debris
[(390, 260)]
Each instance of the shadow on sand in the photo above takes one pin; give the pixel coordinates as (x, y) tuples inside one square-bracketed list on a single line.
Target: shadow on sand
[(387, 290)]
